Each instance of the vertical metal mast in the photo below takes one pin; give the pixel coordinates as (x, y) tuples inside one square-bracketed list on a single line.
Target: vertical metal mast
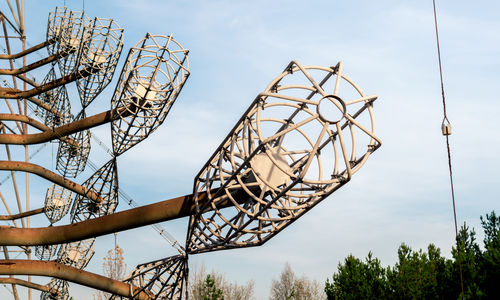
[(14, 40)]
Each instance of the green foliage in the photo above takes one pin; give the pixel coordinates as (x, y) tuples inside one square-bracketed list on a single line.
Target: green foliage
[(491, 256), (419, 275), (211, 291), (358, 280), (469, 255), (426, 275)]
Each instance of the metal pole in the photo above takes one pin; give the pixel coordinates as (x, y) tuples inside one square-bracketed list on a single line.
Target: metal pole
[(51, 176), (61, 271), (141, 216)]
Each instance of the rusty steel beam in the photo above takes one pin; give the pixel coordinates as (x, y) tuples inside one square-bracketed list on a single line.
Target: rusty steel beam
[(54, 134), (25, 283), (136, 217), (50, 134), (27, 80), (27, 51), (22, 215), (57, 270), (51, 176), (60, 132), (24, 119), (10, 93), (32, 66)]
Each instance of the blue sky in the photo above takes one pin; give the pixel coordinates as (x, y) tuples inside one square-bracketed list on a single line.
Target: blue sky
[(388, 48)]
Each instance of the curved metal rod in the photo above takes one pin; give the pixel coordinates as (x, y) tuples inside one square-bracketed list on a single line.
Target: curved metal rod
[(22, 215), (27, 51), (136, 217), (57, 270), (51, 176), (25, 283)]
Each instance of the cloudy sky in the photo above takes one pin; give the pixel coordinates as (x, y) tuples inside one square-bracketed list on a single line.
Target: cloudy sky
[(388, 48)]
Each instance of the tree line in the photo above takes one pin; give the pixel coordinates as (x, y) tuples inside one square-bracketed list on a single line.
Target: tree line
[(426, 274), (416, 275)]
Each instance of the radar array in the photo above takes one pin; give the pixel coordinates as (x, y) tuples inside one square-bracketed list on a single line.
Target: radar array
[(302, 138)]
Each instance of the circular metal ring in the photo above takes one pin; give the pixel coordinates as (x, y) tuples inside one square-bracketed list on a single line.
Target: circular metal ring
[(336, 98)]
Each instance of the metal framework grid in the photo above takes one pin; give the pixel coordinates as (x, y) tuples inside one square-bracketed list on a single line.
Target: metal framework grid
[(301, 139)]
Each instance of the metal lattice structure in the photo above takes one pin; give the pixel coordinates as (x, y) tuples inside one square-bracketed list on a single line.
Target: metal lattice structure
[(294, 146), (100, 53), (57, 202), (45, 252), (69, 31), (58, 100), (76, 254), (301, 139), (160, 279), (103, 182), (155, 72), (72, 157), (62, 288)]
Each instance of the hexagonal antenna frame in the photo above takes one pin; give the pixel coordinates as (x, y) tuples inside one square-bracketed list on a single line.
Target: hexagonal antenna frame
[(287, 153), (71, 29), (57, 202), (55, 26), (103, 182), (162, 279), (62, 288), (76, 254), (72, 159), (58, 100), (45, 252), (99, 56), (152, 78)]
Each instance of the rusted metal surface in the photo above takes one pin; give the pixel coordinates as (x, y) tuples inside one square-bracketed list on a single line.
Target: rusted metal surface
[(37, 125), (25, 283), (57, 270), (141, 216), (50, 134), (32, 66), (12, 93), (51, 176), (24, 119), (22, 215), (27, 51)]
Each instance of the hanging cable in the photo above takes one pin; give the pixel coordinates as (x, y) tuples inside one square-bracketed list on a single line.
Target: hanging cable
[(446, 130)]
